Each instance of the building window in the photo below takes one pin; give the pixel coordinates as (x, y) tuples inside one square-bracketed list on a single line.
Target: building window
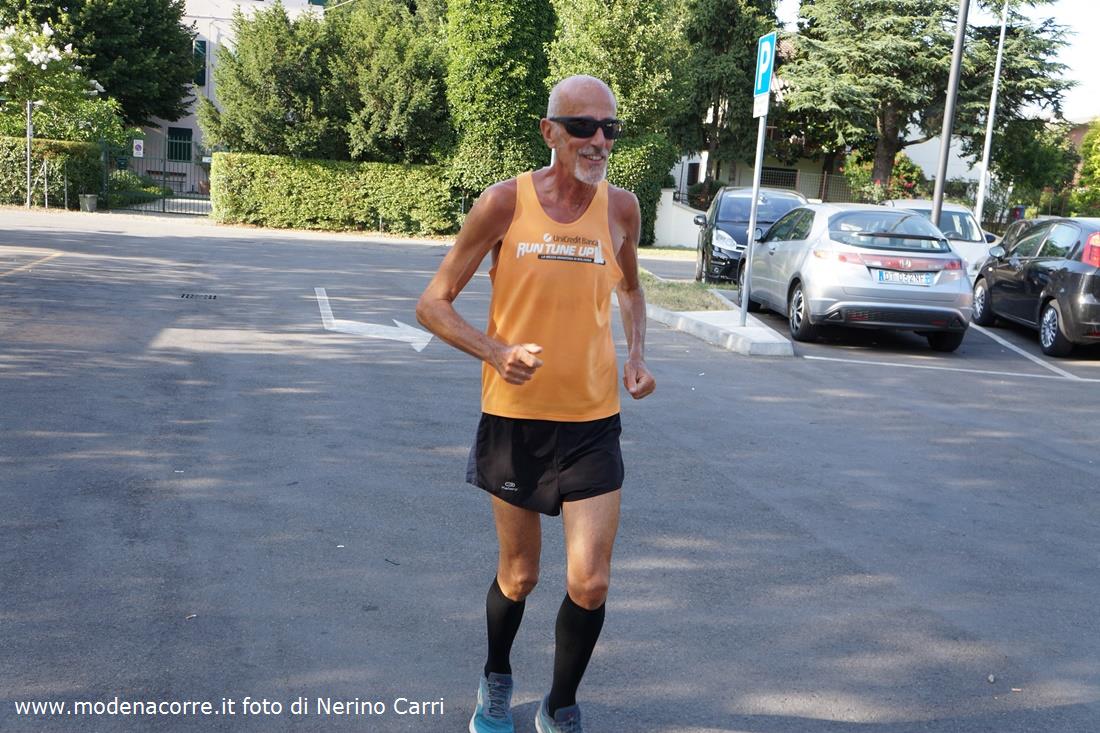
[(200, 61), (317, 2), (179, 144), (693, 174)]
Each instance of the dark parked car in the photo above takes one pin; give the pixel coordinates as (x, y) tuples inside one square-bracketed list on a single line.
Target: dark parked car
[(724, 229), (1046, 276)]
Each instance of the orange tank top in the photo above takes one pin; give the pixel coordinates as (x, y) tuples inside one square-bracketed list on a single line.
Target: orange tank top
[(552, 286)]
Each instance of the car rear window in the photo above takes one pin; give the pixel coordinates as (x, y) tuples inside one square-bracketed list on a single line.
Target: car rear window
[(735, 207), (886, 229), (956, 225)]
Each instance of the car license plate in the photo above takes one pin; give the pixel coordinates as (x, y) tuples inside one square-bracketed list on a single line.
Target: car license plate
[(903, 278)]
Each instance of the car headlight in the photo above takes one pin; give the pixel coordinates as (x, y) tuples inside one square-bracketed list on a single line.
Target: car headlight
[(725, 241)]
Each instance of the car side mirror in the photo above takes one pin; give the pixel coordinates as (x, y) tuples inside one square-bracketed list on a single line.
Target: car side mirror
[(997, 252), (990, 238), (700, 220), (759, 234)]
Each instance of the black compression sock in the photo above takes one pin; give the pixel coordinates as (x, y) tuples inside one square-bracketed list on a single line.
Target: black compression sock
[(575, 637), (502, 615)]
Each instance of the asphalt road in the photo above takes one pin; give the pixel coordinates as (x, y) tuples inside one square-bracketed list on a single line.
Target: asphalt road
[(208, 498)]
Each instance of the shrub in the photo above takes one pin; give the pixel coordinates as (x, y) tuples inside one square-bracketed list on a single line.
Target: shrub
[(702, 193), (907, 181), (128, 188), (640, 165), (79, 162), (269, 190)]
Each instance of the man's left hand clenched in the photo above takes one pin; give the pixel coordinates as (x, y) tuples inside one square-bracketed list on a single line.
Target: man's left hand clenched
[(637, 379)]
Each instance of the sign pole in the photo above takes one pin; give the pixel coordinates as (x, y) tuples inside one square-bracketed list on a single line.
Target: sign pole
[(759, 161), (761, 94)]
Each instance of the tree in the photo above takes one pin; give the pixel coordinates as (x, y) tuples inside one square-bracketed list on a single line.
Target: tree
[(277, 91), (1034, 154), (66, 105), (396, 64), (715, 110), (1086, 197), (139, 50), (496, 70), (877, 70), (630, 44)]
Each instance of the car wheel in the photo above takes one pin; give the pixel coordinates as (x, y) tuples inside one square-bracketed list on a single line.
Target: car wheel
[(946, 341), (798, 314), (983, 314), (753, 306), (700, 266), (1052, 338)]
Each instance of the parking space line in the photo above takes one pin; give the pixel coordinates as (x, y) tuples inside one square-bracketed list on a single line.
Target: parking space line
[(944, 369), (30, 265), (1025, 354)]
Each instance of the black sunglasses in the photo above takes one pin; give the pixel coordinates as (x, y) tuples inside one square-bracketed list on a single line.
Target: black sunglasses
[(586, 126)]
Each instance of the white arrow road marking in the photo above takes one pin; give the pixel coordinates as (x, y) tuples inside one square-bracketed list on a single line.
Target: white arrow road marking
[(416, 337)]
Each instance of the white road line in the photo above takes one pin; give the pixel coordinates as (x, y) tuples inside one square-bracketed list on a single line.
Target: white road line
[(943, 369), (1025, 354)]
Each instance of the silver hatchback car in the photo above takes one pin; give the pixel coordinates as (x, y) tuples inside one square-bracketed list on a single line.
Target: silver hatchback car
[(864, 266)]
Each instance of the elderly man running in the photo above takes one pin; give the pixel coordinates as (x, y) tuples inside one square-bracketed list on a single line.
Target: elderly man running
[(562, 240)]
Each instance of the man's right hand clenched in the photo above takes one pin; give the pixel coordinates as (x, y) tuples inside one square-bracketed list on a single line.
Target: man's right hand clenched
[(517, 363)]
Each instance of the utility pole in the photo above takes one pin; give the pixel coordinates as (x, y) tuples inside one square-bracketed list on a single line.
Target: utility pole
[(983, 182), (949, 111)]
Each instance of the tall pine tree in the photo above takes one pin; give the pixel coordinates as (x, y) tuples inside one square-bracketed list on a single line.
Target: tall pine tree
[(496, 71), (873, 74)]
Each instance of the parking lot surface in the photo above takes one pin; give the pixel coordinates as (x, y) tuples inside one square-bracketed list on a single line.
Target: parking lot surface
[(209, 495)]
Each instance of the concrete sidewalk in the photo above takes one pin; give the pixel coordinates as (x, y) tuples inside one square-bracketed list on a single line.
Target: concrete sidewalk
[(724, 329)]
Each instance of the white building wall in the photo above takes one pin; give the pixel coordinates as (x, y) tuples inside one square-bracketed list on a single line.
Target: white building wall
[(674, 226), (213, 23)]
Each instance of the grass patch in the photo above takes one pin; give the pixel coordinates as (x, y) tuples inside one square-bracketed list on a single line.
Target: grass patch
[(680, 296)]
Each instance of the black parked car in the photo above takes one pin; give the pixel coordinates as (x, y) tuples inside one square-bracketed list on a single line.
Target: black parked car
[(1046, 276), (724, 229)]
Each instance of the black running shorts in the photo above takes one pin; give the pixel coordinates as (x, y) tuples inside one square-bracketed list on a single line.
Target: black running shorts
[(538, 464)]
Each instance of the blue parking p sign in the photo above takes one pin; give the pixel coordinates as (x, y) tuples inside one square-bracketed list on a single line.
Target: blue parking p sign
[(765, 62)]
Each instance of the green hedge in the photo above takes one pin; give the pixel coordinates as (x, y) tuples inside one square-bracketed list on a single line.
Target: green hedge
[(80, 161), (640, 165), (275, 191)]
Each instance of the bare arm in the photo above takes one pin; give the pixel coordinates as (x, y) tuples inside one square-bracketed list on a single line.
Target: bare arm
[(636, 376), (485, 225)]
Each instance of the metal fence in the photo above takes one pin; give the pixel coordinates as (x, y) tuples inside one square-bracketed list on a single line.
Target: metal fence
[(832, 187), (172, 180)]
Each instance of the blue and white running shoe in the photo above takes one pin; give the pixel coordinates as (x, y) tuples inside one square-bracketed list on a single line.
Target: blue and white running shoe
[(565, 720), (493, 713)]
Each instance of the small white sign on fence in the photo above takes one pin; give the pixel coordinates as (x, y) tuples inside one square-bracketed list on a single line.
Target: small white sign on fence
[(139, 148)]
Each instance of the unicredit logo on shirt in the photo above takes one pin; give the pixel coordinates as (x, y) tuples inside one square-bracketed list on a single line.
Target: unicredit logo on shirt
[(568, 249)]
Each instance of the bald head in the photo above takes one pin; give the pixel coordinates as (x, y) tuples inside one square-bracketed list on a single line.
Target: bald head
[(574, 91)]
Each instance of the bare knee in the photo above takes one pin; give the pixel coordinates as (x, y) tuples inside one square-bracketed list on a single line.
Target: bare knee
[(517, 582), (589, 591)]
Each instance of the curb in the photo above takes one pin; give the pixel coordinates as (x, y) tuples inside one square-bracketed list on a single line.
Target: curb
[(750, 340)]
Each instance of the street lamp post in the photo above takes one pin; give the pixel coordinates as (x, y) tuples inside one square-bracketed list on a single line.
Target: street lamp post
[(949, 111), (30, 136), (983, 182)]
